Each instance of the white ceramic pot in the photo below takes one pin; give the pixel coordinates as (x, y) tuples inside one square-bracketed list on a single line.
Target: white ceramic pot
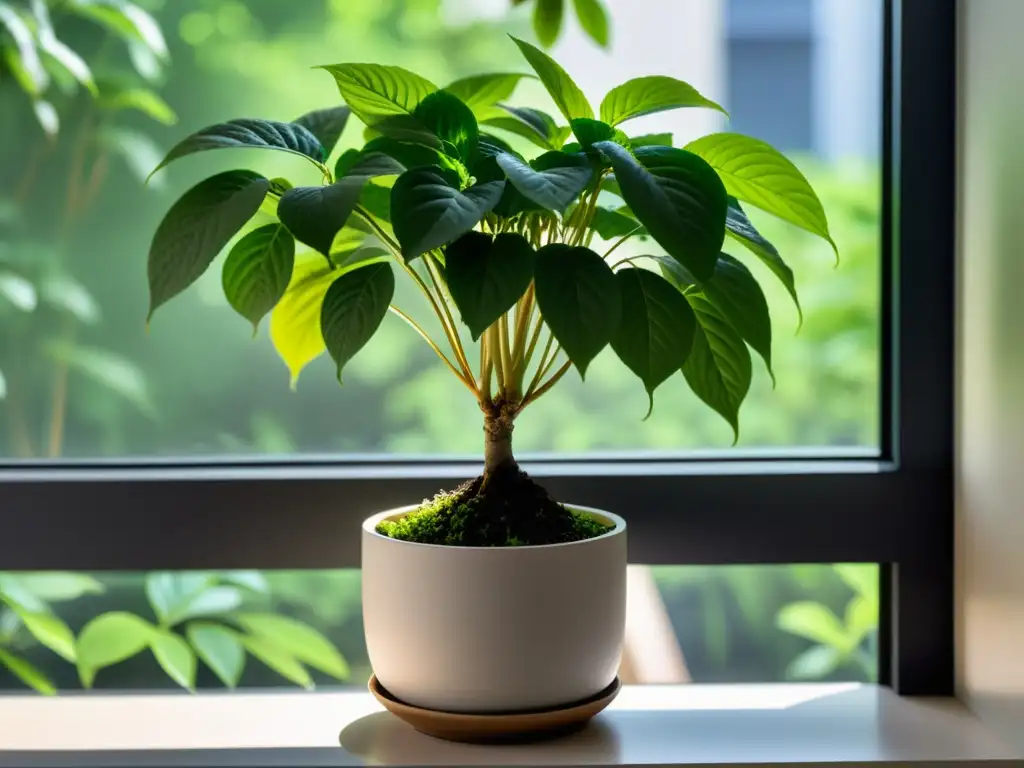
[(494, 629)]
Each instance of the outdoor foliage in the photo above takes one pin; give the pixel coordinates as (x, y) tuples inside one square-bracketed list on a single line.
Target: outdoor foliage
[(499, 239)]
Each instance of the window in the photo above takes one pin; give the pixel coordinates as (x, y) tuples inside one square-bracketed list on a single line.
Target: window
[(184, 449)]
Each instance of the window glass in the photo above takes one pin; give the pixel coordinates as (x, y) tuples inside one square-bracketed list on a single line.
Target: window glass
[(685, 624), (82, 377)]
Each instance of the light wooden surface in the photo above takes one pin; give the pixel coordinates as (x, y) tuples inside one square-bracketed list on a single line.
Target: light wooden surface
[(669, 725)]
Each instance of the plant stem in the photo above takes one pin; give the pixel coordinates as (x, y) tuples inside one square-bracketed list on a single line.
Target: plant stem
[(497, 441), (486, 368), (455, 338), (494, 348), (423, 334), (511, 385), (534, 338), (542, 365), (524, 313), (621, 240), (547, 385)]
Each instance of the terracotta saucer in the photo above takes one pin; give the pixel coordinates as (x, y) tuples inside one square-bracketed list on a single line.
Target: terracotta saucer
[(514, 726)]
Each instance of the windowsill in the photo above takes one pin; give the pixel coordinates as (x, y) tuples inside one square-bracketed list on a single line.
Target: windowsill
[(671, 725)]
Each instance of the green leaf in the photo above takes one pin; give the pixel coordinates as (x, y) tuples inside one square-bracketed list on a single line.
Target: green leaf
[(648, 95), (738, 297), (51, 632), (406, 154), (326, 125), (378, 91), (740, 228), (579, 299), (656, 331), (547, 20), (170, 594), (428, 210), (59, 585), (67, 295), (46, 115), (555, 181), (126, 20), (613, 224), (141, 100), (679, 199), (815, 622), (220, 649), (594, 20), (651, 140), (64, 56), (24, 49), (353, 309), (718, 369), (566, 94), (18, 291), (590, 131), (480, 92), (109, 639), (759, 174), (314, 215), (487, 277), (861, 618), (254, 581), (278, 659), (197, 227), (815, 663), (298, 639), (295, 321), (862, 578), (250, 134), (175, 657), (531, 124), (27, 673), (257, 270), (112, 371), (451, 121)]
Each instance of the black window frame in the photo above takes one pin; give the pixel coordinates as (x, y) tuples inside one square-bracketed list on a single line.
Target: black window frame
[(896, 509)]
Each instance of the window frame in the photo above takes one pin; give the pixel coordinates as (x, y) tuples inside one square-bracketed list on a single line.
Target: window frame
[(896, 510)]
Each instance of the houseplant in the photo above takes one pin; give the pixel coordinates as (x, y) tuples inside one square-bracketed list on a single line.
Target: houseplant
[(493, 597)]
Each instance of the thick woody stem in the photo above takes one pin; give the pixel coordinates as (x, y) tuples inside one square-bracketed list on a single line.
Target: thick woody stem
[(498, 423)]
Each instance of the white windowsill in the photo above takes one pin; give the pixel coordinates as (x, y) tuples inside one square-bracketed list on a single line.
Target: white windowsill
[(691, 725)]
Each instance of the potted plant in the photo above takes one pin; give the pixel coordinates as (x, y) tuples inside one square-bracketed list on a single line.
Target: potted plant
[(494, 597)]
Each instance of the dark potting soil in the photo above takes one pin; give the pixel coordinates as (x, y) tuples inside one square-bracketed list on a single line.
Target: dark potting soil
[(510, 511)]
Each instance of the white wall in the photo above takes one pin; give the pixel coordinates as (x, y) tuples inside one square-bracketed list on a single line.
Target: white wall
[(990, 482)]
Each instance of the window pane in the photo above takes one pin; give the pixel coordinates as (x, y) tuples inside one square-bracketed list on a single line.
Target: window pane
[(81, 377), (685, 623)]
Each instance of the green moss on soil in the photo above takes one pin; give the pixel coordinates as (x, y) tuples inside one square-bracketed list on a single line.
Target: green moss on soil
[(511, 511)]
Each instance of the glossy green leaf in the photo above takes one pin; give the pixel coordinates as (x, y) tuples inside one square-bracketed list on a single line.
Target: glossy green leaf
[(651, 140), (428, 210), (816, 622), (141, 100), (590, 131), (451, 121), (740, 228), (531, 124), (613, 224), (314, 215), (24, 49), (50, 631), (170, 594), (407, 154), (27, 673), (815, 663), (254, 581), (127, 20), (197, 227), (220, 649), (862, 578), (297, 639), (278, 659), (718, 369), (295, 321), (656, 331), (547, 20), (553, 182), (326, 125), (594, 20), (59, 586), (487, 277), (566, 94), (861, 618), (46, 116), (679, 199), (175, 657), (353, 309), (257, 270), (738, 297), (648, 95), (64, 56), (579, 300), (109, 639), (250, 134), (18, 291), (378, 91), (480, 92), (759, 174)]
